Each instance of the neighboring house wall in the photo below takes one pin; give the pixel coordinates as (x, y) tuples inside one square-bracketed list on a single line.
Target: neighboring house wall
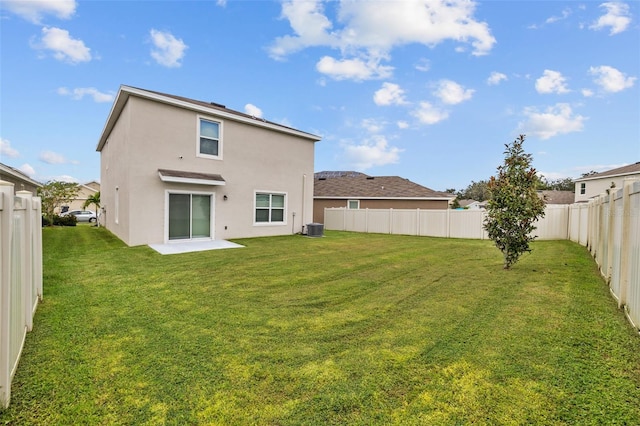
[(20, 181), (320, 204), (85, 191), (590, 187), (151, 135)]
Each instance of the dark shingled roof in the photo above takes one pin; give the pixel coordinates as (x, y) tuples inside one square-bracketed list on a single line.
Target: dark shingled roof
[(190, 175), (629, 169), (557, 197), (360, 185)]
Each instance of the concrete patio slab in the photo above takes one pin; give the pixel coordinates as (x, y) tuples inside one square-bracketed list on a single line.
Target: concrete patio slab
[(191, 246)]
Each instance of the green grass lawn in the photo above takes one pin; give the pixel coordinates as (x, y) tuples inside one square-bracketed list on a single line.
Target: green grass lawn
[(346, 329)]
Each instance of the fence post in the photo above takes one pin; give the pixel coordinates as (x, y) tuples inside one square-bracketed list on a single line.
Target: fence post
[(625, 244), (27, 256), (6, 220)]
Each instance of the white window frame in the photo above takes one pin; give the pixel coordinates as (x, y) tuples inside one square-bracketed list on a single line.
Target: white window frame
[(353, 201), (284, 213), (199, 118), (212, 226)]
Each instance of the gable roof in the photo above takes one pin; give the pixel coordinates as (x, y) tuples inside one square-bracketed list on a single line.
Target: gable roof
[(630, 169), (362, 186), (557, 197), (6, 170), (211, 108)]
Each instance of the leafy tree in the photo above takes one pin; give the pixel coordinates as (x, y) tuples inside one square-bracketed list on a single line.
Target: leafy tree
[(565, 184), (478, 191), (54, 194), (514, 204), (95, 200)]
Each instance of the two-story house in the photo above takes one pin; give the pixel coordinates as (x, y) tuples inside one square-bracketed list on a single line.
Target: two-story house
[(174, 169), (593, 185)]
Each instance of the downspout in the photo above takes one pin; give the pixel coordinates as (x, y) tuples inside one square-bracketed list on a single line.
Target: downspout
[(304, 187)]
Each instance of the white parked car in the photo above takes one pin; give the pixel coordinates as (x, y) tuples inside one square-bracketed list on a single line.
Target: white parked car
[(81, 215)]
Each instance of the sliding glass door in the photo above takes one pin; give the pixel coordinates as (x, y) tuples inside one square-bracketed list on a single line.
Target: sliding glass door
[(189, 216)]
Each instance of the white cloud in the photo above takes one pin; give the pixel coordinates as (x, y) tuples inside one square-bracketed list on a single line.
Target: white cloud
[(35, 10), (551, 82), (64, 178), (402, 125), (168, 51), (51, 157), (587, 93), (495, 78), (310, 25), (64, 47), (452, 93), (7, 150), (373, 125), (80, 92), (253, 110), (428, 114), (370, 153), (558, 119), (565, 14), (423, 65), (352, 69), (617, 18), (370, 30), (610, 79), (389, 94), (27, 170)]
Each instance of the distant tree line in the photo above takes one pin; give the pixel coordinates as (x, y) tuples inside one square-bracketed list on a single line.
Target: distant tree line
[(479, 191)]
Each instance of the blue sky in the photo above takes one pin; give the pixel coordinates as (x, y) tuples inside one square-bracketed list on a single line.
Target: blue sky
[(427, 90)]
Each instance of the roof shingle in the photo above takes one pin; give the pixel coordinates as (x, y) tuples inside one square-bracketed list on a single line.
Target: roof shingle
[(360, 185)]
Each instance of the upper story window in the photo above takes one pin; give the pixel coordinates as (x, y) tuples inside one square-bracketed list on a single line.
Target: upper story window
[(583, 188), (209, 141), (269, 208)]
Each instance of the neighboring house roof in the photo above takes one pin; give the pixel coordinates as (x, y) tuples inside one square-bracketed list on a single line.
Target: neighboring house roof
[(93, 185), (17, 175), (361, 186), (557, 197), (211, 108), (630, 169), (468, 202)]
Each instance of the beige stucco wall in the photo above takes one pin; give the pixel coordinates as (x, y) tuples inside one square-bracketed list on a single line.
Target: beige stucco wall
[(83, 193), (596, 187), (151, 135), (320, 204)]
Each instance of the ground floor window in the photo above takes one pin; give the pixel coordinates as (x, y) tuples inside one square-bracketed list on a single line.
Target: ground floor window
[(353, 204), (189, 216), (270, 207)]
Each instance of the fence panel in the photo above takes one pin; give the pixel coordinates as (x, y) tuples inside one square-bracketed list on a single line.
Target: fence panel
[(378, 221), (334, 219), (555, 223), (404, 222), (578, 223), (615, 244), (434, 223), (20, 277), (466, 224), (633, 255)]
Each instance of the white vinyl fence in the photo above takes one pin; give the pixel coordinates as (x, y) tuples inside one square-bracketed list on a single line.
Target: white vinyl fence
[(609, 226), (20, 277), (437, 223), (613, 238)]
